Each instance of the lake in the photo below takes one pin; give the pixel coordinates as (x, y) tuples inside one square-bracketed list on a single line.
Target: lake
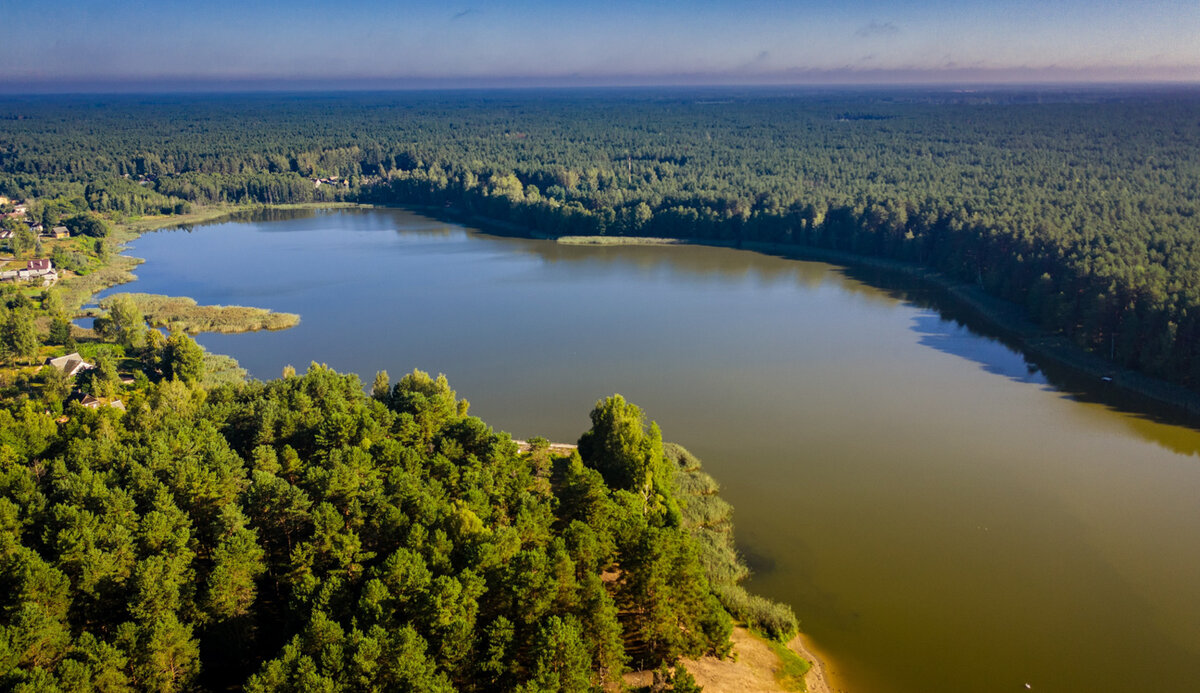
[(941, 516)]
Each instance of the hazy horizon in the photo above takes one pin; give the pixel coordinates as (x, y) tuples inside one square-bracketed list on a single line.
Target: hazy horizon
[(86, 45)]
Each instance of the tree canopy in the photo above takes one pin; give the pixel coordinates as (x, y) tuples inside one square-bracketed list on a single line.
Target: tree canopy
[(300, 534)]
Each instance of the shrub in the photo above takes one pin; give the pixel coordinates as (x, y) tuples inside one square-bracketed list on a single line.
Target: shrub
[(776, 620)]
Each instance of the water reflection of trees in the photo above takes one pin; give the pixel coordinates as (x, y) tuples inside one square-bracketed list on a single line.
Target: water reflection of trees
[(700, 262), (1151, 420), (360, 218), (1148, 419)]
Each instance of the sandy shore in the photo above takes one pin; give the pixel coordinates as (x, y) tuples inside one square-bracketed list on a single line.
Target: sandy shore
[(750, 669), (818, 678)]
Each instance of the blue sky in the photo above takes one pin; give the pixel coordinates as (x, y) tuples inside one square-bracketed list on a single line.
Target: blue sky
[(466, 42)]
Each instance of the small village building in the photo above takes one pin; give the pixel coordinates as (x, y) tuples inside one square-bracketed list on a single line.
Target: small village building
[(71, 364), (60, 232), (90, 402), (34, 269)]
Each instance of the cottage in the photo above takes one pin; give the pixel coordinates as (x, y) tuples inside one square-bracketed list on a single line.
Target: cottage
[(71, 364), (59, 232), (6, 234), (34, 269), (90, 402)]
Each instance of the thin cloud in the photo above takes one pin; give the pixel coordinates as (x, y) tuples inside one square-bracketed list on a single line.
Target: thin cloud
[(875, 28), (465, 13), (758, 62)]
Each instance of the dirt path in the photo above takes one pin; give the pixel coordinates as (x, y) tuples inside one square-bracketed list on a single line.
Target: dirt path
[(556, 448)]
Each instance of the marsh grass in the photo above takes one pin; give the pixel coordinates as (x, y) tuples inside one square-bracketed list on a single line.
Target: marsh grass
[(220, 369), (710, 520), (619, 240), (183, 313), (78, 289)]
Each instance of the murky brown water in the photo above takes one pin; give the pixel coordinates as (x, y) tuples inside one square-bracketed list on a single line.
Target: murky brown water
[(940, 516)]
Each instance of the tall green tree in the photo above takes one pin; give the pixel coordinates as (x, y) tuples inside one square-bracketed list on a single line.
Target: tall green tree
[(561, 658), (628, 455), (23, 241), (88, 224), (183, 358), (124, 323), (18, 337)]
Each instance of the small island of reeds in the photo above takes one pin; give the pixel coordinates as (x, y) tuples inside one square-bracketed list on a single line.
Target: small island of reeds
[(183, 313), (619, 240)]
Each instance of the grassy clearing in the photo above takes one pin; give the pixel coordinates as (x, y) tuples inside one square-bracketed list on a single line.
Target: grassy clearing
[(792, 667), (183, 313), (318, 205), (619, 240)]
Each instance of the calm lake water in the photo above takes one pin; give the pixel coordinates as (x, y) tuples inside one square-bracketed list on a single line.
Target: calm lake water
[(940, 516)]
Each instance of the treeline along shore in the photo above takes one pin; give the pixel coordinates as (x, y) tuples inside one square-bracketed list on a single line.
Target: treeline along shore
[(1078, 206)]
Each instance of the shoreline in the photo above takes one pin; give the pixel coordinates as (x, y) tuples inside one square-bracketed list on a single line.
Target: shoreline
[(1008, 322), (753, 666), (819, 678), (1096, 378)]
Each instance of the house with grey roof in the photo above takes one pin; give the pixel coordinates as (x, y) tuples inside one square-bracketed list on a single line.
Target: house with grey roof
[(71, 364)]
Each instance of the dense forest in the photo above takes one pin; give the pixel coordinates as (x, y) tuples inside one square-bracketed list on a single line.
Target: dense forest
[(303, 535), (1080, 205)]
